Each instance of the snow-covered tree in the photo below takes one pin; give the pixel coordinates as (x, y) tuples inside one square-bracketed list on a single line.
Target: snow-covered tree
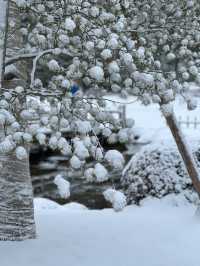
[(148, 49), (86, 48), (55, 113)]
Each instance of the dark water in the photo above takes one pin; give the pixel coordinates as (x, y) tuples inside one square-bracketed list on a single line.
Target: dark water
[(45, 165)]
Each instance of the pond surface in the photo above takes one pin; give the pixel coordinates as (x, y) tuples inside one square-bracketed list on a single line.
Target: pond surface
[(45, 165)]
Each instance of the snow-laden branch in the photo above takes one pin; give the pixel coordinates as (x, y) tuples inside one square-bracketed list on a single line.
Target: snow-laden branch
[(34, 56), (19, 57), (49, 51)]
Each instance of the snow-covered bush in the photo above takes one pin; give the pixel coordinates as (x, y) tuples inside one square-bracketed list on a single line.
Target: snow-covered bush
[(156, 171)]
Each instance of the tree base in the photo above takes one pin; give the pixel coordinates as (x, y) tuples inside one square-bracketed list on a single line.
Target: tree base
[(17, 225), (16, 200)]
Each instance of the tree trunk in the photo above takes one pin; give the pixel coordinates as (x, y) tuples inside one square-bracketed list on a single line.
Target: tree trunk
[(184, 149), (16, 199), (16, 196), (4, 9)]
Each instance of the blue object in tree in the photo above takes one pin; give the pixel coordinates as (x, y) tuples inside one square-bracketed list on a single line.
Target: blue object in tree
[(74, 89)]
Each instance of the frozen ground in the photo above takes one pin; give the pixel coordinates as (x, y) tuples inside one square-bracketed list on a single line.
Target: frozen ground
[(157, 234)]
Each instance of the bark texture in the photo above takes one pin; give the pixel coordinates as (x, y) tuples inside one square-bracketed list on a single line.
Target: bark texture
[(16, 196), (184, 150), (16, 200), (4, 7)]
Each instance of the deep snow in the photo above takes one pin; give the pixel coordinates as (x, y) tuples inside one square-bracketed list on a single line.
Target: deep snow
[(156, 234)]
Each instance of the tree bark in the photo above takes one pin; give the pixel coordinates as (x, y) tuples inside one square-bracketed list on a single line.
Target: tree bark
[(16, 196), (183, 147), (4, 5), (16, 199)]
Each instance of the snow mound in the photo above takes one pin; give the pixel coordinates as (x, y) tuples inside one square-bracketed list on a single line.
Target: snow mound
[(45, 204), (167, 236), (74, 206), (171, 200), (42, 204)]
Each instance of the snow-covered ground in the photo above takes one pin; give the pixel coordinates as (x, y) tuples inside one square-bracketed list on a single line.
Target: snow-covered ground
[(149, 120), (156, 234)]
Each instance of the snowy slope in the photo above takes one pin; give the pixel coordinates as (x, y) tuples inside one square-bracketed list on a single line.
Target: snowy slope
[(156, 234)]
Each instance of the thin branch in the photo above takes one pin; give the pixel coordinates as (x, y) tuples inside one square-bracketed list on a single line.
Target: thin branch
[(50, 51), (19, 57)]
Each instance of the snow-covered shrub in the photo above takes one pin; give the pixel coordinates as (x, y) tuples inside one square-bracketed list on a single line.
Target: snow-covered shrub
[(156, 171)]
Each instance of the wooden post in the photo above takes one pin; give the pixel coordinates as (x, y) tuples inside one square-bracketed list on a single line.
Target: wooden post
[(184, 149)]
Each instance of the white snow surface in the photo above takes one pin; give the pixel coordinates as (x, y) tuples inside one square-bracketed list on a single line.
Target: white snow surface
[(150, 122), (156, 234)]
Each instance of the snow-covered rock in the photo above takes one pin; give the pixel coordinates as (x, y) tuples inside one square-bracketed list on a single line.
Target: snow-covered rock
[(45, 204)]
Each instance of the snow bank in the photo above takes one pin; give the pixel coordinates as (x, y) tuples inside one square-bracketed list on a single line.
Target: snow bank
[(42, 204), (45, 204), (156, 234), (74, 206)]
